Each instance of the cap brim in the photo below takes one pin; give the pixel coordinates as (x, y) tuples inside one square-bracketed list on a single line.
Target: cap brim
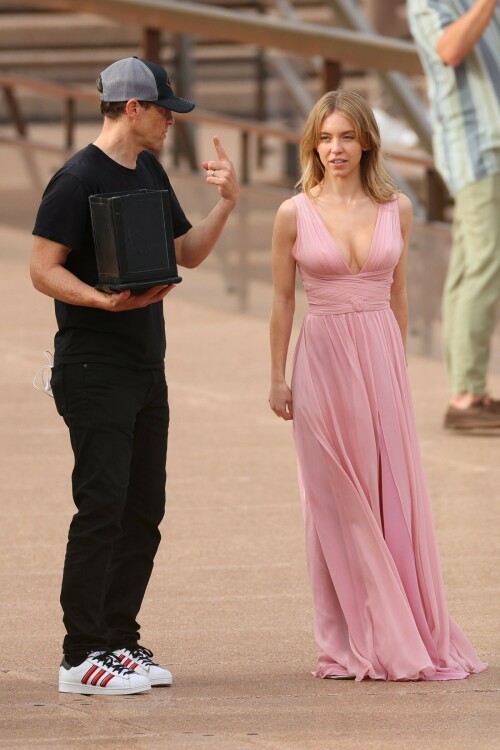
[(176, 104)]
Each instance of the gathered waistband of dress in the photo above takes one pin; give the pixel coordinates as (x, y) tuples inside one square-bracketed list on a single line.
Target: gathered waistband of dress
[(348, 306)]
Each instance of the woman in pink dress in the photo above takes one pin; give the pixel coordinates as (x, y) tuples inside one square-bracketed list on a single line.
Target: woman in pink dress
[(379, 604)]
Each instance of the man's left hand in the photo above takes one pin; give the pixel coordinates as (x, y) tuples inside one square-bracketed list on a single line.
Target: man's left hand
[(221, 172)]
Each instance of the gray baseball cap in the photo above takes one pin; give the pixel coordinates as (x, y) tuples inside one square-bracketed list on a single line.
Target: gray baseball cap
[(146, 81)]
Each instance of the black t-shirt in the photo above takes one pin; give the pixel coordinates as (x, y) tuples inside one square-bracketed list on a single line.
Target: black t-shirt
[(135, 338)]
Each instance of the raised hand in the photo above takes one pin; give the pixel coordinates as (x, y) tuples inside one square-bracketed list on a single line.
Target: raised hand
[(220, 172)]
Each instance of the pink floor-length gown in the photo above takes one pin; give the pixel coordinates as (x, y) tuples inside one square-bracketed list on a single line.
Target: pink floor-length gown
[(379, 603)]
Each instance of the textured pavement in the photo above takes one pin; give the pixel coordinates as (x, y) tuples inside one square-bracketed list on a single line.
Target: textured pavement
[(228, 608)]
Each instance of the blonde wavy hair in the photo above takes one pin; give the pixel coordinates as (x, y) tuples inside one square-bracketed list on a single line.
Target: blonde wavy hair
[(376, 181)]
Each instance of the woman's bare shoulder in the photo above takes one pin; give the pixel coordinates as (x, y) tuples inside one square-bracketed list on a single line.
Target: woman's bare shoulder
[(405, 205), (285, 223), (288, 209), (286, 216)]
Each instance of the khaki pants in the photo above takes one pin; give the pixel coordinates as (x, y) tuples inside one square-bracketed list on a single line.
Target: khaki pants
[(472, 287)]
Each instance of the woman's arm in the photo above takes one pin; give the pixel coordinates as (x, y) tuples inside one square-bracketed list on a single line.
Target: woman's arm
[(399, 297), (283, 265)]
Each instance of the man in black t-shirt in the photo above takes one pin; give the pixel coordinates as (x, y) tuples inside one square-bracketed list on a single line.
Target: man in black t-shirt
[(108, 378)]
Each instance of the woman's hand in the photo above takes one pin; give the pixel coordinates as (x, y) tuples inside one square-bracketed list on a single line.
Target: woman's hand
[(280, 400)]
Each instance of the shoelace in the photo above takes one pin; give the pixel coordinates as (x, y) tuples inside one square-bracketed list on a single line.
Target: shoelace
[(144, 654), (109, 660)]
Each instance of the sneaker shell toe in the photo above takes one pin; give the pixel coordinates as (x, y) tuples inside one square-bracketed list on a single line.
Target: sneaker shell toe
[(93, 678)]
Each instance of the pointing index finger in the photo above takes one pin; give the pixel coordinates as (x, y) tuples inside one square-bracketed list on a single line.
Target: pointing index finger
[(218, 147)]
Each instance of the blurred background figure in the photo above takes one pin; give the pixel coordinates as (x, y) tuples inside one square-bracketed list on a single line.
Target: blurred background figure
[(459, 44)]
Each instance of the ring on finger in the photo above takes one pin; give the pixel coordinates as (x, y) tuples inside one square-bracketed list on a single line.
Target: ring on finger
[(213, 172)]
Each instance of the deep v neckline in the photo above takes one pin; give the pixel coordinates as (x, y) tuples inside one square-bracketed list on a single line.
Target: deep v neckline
[(335, 243)]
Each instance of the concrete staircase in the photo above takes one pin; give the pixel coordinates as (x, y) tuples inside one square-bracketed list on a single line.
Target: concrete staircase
[(74, 48)]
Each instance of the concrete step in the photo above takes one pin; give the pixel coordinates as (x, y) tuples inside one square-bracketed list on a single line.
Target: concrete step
[(73, 48), (51, 31)]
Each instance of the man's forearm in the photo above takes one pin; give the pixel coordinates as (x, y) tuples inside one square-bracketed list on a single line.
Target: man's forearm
[(59, 283), (459, 38), (198, 242)]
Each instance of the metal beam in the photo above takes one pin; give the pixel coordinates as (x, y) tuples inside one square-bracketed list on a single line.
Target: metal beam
[(340, 45)]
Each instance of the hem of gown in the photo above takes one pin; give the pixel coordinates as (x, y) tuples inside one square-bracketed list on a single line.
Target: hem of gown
[(427, 674)]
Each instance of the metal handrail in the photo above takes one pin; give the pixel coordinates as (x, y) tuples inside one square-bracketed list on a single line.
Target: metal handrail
[(58, 90), (197, 115)]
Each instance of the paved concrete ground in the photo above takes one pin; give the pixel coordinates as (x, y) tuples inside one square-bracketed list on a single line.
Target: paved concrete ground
[(228, 608)]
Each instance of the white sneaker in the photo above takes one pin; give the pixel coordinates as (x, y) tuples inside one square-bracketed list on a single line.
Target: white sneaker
[(100, 674), (139, 661)]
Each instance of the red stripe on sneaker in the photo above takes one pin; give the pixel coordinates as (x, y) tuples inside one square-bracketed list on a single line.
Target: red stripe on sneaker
[(86, 677), (121, 657), (133, 666), (107, 679), (126, 662), (98, 676)]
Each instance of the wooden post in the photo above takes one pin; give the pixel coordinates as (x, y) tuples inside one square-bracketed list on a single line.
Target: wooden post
[(260, 103), (22, 131), (245, 177), (15, 111), (151, 44), (332, 75), (184, 133), (69, 122)]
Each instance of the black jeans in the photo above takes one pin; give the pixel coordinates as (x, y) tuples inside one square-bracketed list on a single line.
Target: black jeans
[(118, 424)]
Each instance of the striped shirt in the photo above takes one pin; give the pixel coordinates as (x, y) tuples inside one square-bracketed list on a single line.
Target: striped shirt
[(465, 100)]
